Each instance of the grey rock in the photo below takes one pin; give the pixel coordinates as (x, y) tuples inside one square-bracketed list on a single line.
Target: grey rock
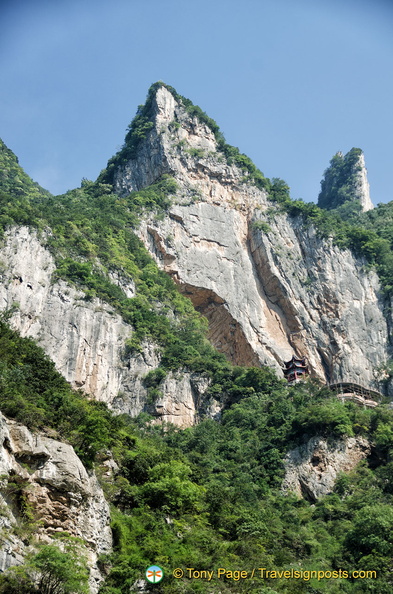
[(363, 187), (85, 339), (312, 469), (345, 181), (61, 493), (267, 294), (181, 400)]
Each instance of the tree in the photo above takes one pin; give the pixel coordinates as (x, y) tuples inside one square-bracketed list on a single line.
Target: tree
[(169, 486), (53, 570), (370, 536)]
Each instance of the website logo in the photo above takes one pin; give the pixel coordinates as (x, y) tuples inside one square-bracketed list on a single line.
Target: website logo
[(154, 574)]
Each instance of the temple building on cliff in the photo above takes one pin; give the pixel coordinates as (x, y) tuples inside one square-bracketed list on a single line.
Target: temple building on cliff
[(296, 369)]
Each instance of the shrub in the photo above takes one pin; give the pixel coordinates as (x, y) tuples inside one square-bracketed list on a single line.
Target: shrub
[(261, 226), (53, 570)]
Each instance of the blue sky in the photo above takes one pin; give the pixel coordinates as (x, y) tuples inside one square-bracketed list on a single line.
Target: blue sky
[(290, 82)]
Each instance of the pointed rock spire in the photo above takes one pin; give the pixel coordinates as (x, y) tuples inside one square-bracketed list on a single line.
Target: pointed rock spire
[(345, 180)]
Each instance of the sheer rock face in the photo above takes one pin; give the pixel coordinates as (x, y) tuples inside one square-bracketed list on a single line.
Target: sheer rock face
[(311, 469), (62, 495), (85, 339), (266, 294), (332, 307), (363, 187), (182, 397)]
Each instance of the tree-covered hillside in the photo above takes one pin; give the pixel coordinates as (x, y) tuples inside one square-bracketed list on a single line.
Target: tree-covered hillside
[(209, 496), (13, 180)]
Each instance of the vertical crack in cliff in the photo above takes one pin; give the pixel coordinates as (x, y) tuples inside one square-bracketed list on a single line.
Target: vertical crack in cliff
[(280, 301), (224, 331), (326, 364), (273, 294)]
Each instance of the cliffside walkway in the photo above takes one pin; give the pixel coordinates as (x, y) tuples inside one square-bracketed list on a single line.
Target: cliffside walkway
[(356, 393)]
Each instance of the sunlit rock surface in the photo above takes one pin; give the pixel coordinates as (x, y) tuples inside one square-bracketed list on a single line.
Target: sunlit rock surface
[(85, 339), (311, 470), (63, 496), (269, 286)]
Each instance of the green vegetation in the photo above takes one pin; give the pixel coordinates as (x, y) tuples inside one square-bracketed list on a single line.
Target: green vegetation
[(35, 394), (261, 226), (344, 225), (209, 496), (368, 235), (13, 180), (55, 569), (339, 183), (195, 152), (92, 238)]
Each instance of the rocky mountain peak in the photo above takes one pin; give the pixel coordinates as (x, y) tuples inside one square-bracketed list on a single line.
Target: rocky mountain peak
[(268, 286), (171, 136), (271, 283), (345, 181)]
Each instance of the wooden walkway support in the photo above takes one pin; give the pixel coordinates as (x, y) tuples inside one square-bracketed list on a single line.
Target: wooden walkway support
[(356, 393)]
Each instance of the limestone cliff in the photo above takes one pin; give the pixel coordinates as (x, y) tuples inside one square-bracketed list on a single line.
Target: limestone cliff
[(268, 285), (46, 475), (86, 339), (311, 469)]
